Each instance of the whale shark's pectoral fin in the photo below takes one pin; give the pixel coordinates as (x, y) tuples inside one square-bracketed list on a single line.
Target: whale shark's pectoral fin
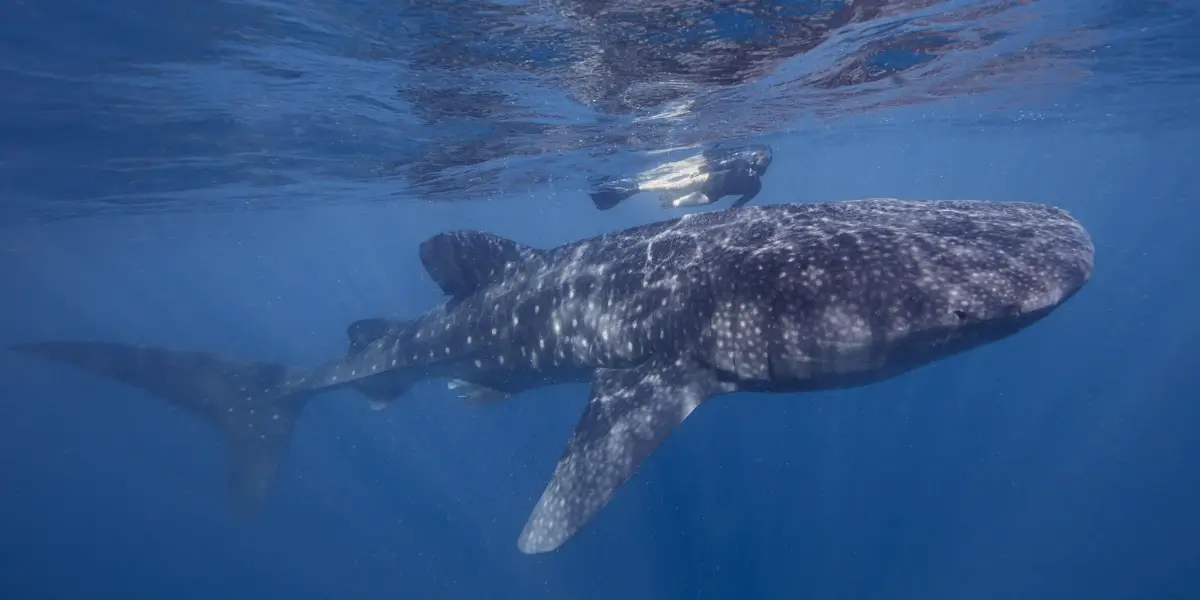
[(462, 262), (251, 403), (676, 199), (477, 394), (630, 412)]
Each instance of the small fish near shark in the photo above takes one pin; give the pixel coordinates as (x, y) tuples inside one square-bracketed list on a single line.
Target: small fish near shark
[(658, 318), (694, 181)]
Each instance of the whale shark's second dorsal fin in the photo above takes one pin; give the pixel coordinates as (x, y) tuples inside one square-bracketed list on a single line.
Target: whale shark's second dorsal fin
[(365, 331), (461, 262), (382, 389)]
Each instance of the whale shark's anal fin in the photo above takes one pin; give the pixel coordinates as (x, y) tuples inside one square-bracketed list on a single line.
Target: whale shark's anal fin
[(477, 394), (462, 262), (383, 388), (630, 412), (245, 400)]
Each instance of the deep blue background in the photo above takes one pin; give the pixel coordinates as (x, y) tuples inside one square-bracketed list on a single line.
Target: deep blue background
[(1059, 463)]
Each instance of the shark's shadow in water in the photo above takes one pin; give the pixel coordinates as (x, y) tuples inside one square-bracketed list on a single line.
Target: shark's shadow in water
[(779, 298)]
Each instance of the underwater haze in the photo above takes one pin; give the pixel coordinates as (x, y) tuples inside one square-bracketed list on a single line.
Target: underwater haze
[(249, 177)]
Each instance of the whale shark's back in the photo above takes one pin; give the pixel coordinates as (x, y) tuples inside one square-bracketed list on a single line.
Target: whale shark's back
[(898, 238)]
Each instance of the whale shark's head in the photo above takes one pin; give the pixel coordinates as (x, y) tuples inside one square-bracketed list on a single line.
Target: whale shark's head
[(866, 290)]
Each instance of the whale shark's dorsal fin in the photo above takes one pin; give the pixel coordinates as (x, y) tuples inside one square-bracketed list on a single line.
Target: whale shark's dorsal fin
[(629, 413), (365, 331), (461, 262)]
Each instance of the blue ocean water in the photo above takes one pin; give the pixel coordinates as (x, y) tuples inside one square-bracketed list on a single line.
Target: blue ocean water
[(249, 177)]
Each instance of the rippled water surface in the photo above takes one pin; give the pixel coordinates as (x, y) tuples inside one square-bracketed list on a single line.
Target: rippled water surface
[(232, 105)]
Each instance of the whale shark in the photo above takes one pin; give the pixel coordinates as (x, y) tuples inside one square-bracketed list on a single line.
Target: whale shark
[(657, 318)]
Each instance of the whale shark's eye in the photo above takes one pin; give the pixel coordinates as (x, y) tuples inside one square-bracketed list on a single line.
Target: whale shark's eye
[(962, 315)]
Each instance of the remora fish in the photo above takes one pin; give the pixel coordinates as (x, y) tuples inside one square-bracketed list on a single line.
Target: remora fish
[(659, 318), (693, 181)]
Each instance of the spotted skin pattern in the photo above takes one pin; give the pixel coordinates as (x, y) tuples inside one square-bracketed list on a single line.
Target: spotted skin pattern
[(778, 298)]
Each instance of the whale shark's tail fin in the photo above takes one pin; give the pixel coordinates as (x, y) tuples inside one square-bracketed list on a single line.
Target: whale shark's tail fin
[(253, 404), (607, 192)]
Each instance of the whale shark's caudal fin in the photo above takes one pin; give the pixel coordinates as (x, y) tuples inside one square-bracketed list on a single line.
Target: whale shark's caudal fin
[(249, 402), (608, 192), (629, 413)]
